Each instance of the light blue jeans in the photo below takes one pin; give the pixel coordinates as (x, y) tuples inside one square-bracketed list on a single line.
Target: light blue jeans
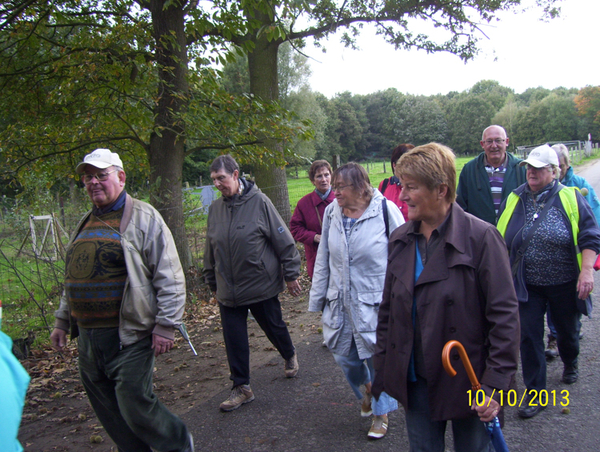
[(359, 372)]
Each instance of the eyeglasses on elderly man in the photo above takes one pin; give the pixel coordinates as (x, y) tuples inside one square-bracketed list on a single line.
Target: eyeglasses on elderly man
[(101, 177), (498, 141)]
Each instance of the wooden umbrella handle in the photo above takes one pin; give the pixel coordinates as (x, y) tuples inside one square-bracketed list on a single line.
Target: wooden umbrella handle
[(465, 359)]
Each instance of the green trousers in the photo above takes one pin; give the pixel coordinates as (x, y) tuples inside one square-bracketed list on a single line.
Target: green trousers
[(118, 383)]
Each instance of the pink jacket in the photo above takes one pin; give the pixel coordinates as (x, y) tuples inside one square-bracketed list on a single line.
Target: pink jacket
[(392, 192), (306, 222)]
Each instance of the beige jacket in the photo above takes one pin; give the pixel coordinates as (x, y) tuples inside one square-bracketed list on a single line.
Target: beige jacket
[(154, 295)]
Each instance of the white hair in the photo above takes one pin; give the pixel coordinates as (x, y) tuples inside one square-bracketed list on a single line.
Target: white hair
[(562, 152)]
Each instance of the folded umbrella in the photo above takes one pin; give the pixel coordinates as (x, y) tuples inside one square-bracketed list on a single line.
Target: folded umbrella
[(183, 330), (493, 427)]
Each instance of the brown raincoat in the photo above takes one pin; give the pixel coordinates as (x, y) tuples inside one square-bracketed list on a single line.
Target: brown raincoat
[(464, 293)]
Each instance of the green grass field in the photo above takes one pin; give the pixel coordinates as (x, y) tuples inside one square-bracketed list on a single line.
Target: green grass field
[(298, 187), (30, 292), (30, 289)]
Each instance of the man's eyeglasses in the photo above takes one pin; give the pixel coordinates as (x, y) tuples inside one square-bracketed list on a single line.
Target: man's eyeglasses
[(102, 177), (498, 141), (341, 187)]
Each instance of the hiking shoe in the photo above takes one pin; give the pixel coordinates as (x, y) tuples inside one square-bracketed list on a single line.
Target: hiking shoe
[(365, 407), (378, 427), (239, 395), (552, 349), (570, 374), (291, 366), (526, 412)]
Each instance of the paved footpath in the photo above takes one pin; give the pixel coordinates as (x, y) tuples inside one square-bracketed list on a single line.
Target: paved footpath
[(317, 412)]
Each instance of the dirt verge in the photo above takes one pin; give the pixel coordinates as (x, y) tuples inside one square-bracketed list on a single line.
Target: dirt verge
[(58, 417)]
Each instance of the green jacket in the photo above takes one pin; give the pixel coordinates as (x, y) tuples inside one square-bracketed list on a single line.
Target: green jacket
[(249, 249), (473, 193)]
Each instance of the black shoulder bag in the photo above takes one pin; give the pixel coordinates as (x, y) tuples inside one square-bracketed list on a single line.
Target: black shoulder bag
[(385, 184), (385, 217)]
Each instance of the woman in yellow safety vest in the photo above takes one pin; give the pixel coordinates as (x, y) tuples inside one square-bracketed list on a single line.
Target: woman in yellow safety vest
[(553, 239)]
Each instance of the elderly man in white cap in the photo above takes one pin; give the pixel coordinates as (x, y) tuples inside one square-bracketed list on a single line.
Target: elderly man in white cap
[(553, 239), (124, 297)]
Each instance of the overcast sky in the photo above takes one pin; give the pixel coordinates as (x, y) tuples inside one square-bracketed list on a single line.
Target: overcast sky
[(521, 52)]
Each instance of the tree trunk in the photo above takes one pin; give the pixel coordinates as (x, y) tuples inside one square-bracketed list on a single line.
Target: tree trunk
[(166, 153), (262, 66)]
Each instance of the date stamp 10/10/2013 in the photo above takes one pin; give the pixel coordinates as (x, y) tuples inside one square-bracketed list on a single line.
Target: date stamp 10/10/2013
[(511, 398)]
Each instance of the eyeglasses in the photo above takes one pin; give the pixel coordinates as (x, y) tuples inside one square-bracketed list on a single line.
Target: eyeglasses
[(101, 177), (498, 141), (341, 187)]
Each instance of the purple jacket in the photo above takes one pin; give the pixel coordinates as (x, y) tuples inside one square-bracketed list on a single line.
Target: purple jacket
[(307, 222)]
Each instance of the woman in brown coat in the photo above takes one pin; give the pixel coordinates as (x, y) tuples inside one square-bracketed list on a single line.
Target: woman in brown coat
[(448, 278)]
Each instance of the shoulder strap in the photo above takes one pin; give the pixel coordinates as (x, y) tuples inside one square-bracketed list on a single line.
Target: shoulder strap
[(385, 184), (319, 216), (385, 217)]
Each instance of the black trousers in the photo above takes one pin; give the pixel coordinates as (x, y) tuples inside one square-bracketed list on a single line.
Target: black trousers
[(561, 301), (235, 332)]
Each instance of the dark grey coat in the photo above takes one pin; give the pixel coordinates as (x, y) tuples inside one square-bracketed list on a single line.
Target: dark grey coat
[(249, 249)]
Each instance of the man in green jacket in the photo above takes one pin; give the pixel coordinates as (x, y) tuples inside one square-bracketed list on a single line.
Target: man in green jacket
[(489, 178)]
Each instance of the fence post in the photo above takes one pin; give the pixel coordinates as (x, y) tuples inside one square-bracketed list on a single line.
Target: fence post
[(337, 161), (61, 203)]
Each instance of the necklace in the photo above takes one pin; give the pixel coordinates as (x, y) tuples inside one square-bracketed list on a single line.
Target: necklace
[(538, 208), (538, 204)]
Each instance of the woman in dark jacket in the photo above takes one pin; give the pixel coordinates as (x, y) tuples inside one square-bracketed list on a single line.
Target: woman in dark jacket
[(553, 268), (249, 254), (307, 221), (448, 278)]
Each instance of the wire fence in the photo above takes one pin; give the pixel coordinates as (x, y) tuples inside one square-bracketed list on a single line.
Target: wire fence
[(33, 241)]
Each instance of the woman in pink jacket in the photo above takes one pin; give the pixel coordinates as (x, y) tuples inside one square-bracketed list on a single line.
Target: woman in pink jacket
[(391, 187), (307, 220)]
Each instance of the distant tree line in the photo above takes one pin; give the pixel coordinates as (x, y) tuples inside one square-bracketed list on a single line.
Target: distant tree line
[(140, 78), (369, 126), (359, 127)]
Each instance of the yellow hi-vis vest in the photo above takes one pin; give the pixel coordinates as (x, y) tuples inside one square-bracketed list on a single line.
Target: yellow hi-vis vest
[(568, 198)]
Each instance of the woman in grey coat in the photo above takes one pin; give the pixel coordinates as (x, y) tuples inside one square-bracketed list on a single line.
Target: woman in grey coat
[(348, 281), (249, 255)]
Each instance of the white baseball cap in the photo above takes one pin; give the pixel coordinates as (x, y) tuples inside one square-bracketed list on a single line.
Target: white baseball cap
[(100, 158), (541, 156)]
